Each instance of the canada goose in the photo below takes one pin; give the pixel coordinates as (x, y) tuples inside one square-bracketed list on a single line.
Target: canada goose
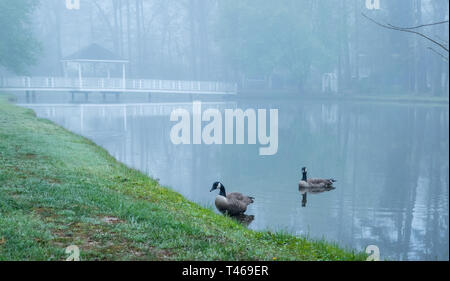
[(313, 186), (233, 204)]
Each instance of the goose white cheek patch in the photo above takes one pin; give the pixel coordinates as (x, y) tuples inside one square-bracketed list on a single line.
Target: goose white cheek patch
[(222, 130)]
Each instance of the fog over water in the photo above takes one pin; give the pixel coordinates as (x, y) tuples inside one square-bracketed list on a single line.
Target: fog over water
[(390, 160)]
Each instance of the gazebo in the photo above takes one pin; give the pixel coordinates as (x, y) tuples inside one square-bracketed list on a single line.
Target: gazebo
[(94, 55)]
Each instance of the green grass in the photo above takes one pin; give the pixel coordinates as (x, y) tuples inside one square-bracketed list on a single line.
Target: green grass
[(59, 189)]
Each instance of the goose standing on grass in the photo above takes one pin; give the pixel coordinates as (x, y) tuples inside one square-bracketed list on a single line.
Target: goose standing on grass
[(233, 204), (313, 186)]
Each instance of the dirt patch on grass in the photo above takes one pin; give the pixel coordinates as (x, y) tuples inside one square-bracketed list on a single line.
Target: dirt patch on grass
[(45, 213), (89, 238), (163, 254), (111, 220), (83, 235), (95, 241), (29, 156), (53, 180)]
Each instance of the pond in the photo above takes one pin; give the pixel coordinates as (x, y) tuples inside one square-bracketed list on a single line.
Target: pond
[(390, 161)]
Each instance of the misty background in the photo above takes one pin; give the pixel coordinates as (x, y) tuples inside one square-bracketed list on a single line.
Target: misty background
[(286, 45)]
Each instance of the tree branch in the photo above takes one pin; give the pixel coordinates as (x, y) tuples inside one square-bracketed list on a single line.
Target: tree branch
[(419, 26), (441, 55), (406, 30)]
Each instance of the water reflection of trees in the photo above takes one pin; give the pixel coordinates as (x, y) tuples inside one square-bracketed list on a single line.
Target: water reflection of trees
[(391, 163), (385, 154)]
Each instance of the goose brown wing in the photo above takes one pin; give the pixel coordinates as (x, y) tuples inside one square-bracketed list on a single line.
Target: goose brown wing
[(316, 181), (240, 197), (321, 181), (236, 207)]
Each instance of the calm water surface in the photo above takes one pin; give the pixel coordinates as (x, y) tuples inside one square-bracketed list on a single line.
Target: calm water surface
[(391, 163)]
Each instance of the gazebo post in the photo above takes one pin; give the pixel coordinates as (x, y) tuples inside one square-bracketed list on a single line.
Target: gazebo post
[(80, 75), (123, 76), (64, 63)]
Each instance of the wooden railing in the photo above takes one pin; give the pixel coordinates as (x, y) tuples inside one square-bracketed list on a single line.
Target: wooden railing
[(116, 84)]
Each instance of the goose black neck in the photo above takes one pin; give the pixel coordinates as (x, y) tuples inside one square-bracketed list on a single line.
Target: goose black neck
[(304, 178), (222, 191)]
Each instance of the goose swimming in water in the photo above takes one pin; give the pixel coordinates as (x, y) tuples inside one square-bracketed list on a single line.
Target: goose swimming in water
[(233, 204), (313, 186)]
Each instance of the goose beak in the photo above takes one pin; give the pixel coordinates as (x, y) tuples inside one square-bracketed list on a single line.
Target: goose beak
[(212, 189)]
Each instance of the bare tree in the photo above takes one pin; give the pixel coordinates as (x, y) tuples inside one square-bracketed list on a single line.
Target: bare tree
[(413, 30)]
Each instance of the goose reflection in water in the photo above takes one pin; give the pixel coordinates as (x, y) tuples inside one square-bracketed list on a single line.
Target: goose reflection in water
[(244, 219)]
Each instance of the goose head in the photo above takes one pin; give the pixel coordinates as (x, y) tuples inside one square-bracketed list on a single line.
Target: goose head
[(218, 185), (304, 172)]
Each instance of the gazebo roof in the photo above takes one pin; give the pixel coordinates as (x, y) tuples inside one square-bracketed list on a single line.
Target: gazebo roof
[(94, 53)]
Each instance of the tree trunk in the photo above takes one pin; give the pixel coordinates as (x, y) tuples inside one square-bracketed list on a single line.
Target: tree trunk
[(121, 47), (420, 65), (139, 36), (193, 38), (129, 43), (116, 29), (57, 10)]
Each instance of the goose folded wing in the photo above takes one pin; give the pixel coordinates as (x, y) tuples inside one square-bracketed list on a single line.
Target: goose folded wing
[(321, 181), (236, 207), (240, 197)]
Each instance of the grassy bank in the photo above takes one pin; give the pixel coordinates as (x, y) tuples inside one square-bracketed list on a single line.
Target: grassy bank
[(59, 189)]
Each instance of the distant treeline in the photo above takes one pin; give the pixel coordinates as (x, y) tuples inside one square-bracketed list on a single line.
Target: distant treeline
[(285, 44)]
